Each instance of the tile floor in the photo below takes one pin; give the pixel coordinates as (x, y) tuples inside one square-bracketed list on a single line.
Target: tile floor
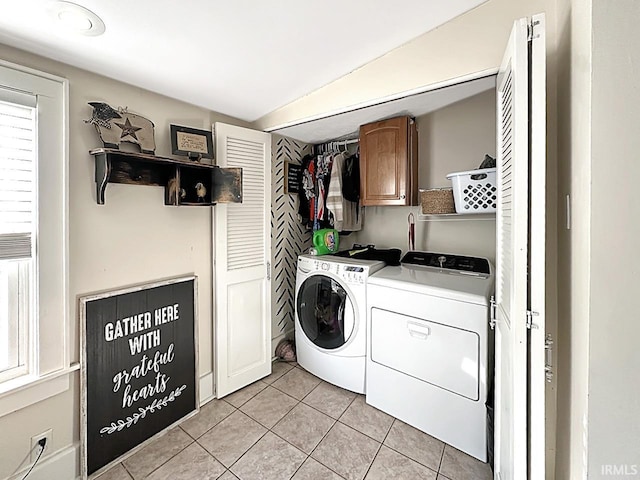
[(292, 425)]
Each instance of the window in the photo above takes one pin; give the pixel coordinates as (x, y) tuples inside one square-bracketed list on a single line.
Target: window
[(17, 230), (33, 231)]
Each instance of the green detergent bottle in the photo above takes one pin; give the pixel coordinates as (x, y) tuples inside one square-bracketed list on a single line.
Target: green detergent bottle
[(325, 241)]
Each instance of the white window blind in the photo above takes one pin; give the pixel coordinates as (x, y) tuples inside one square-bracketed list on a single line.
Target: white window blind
[(17, 226), (17, 174), (33, 231)]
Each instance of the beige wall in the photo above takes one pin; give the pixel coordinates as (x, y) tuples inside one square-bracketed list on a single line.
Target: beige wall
[(133, 238), (452, 139), (614, 326)]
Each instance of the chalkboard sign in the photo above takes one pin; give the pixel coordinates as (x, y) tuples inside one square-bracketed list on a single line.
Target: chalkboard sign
[(292, 172), (138, 365)]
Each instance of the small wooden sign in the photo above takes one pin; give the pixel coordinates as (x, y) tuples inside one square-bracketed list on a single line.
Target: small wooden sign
[(191, 142), (292, 172), (139, 372)]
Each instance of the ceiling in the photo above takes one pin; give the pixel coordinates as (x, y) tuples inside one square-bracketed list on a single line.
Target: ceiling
[(243, 58), (346, 124)]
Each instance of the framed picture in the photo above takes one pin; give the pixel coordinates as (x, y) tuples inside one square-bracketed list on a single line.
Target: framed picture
[(191, 142), (138, 369), (292, 172)]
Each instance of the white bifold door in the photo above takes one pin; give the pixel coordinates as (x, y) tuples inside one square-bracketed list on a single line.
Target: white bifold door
[(520, 257), (242, 253)]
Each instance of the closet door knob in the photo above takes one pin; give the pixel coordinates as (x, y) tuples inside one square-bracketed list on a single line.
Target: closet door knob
[(402, 197)]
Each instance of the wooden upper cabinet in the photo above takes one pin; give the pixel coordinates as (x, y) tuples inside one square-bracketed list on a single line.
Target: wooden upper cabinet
[(389, 162)]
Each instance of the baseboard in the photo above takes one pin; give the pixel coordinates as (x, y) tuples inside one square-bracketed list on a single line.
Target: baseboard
[(206, 388), (62, 465), (65, 464)]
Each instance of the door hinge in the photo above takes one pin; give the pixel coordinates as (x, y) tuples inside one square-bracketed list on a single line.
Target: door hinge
[(530, 315), (268, 270), (492, 313), (548, 364), (531, 27)]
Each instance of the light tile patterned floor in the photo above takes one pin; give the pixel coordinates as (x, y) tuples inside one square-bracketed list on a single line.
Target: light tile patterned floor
[(292, 425)]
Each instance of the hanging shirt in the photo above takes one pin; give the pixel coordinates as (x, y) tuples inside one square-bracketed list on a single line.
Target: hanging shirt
[(345, 213), (306, 191), (335, 200), (323, 172)]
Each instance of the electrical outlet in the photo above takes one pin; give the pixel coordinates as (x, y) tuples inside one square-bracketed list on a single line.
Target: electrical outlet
[(35, 448)]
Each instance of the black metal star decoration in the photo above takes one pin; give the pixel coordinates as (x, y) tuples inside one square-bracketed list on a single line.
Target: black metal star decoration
[(128, 129)]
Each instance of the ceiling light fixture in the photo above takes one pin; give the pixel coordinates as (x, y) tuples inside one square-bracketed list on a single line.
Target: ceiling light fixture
[(75, 18)]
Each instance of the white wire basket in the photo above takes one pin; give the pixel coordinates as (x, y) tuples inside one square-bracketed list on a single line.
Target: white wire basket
[(475, 191)]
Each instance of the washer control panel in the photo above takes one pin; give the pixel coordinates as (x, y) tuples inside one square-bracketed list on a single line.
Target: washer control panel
[(353, 274)]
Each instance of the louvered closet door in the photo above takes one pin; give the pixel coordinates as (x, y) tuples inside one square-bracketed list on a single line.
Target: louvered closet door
[(242, 249), (540, 390), (512, 99)]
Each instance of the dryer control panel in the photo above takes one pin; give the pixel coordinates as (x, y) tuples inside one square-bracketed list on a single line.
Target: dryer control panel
[(448, 262)]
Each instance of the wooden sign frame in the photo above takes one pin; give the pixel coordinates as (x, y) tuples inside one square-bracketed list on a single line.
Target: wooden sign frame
[(167, 396), (200, 140), (292, 173)]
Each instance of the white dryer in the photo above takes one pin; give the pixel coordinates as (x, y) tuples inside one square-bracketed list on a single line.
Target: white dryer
[(330, 318), (428, 360)]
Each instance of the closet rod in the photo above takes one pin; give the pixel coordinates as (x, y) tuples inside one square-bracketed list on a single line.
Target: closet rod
[(341, 142), (337, 143), (334, 145)]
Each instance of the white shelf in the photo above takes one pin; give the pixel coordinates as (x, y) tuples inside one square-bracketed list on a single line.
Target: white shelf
[(455, 217)]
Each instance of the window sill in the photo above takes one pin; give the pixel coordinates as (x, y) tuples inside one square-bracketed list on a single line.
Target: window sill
[(29, 389)]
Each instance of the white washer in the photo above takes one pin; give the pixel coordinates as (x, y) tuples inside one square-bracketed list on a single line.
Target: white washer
[(330, 318), (428, 337)]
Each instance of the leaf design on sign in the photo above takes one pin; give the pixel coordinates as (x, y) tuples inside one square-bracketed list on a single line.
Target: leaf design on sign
[(157, 404)]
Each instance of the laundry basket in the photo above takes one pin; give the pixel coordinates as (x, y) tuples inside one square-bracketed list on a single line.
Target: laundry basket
[(475, 191), (436, 201)]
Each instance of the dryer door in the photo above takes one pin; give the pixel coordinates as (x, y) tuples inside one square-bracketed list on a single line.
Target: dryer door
[(325, 312)]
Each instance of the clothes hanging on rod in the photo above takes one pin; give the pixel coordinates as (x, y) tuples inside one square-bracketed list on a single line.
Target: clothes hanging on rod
[(306, 191), (323, 172), (345, 213), (335, 146), (321, 204)]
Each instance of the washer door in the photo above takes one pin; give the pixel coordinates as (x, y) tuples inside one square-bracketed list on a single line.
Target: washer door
[(325, 312)]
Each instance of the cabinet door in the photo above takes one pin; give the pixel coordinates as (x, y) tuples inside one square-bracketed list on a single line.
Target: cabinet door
[(388, 167)]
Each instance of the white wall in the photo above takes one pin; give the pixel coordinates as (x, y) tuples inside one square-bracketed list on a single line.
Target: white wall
[(133, 238), (614, 326), (574, 179), (599, 112), (452, 139)]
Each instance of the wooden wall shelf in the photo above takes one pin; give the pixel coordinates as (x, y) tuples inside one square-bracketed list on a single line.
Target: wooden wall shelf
[(180, 178), (455, 217)]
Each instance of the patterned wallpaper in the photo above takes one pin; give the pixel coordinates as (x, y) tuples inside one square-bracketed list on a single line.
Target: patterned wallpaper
[(288, 238)]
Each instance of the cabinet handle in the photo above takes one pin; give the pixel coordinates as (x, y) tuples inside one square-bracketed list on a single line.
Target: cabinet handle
[(402, 197)]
